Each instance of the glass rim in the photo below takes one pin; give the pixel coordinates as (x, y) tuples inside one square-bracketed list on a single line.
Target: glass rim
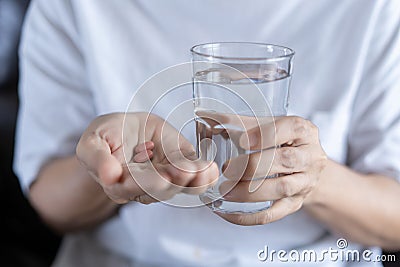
[(290, 54)]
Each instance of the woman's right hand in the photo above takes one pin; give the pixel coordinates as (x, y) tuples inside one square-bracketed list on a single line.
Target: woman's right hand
[(140, 157)]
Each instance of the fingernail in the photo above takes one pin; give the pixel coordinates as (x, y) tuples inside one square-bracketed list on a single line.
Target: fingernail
[(149, 145), (141, 157)]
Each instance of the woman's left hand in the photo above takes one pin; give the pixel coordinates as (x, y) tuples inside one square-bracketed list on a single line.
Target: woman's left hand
[(298, 160)]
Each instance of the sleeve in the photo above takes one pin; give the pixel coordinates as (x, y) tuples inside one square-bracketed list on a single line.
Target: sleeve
[(374, 136), (55, 100)]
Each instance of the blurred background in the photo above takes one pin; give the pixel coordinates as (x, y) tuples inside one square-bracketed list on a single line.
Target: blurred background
[(25, 240)]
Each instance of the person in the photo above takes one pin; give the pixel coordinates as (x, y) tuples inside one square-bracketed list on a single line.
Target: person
[(81, 61)]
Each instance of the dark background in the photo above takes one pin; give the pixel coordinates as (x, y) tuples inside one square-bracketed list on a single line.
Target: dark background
[(25, 240)]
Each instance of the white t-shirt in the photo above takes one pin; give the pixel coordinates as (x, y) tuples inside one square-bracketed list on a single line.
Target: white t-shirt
[(81, 59)]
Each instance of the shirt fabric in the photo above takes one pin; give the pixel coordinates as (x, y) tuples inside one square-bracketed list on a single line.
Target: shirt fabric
[(81, 59)]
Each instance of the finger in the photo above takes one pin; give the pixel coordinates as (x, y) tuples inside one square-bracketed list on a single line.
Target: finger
[(95, 154), (290, 129), (279, 209), (203, 180), (268, 189), (268, 162), (159, 182), (149, 145), (169, 141), (163, 181), (143, 156), (139, 179), (194, 177), (170, 182)]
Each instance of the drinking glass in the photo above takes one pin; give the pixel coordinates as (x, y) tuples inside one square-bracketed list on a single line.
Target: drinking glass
[(237, 86)]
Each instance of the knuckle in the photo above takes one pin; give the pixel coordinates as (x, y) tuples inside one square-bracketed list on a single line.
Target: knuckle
[(91, 141), (288, 157), (296, 120), (302, 127)]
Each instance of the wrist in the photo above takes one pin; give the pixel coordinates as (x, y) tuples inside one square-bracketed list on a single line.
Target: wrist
[(319, 196)]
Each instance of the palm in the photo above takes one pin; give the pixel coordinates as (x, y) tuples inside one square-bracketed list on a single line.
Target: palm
[(173, 167)]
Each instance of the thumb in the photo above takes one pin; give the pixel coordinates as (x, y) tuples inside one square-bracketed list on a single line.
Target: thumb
[(95, 154)]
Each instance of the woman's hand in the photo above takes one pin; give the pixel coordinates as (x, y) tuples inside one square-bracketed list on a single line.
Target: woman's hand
[(298, 160), (116, 150)]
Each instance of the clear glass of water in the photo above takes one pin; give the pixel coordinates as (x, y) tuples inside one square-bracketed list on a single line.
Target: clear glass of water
[(237, 86)]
